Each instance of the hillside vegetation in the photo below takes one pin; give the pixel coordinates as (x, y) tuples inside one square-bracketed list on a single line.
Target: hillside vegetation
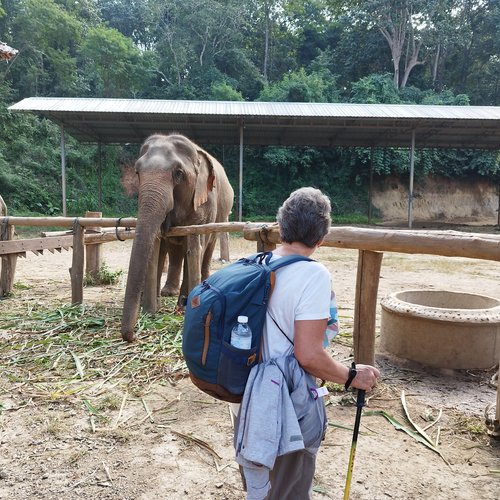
[(408, 51)]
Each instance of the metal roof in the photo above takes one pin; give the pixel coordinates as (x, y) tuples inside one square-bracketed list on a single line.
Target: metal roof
[(272, 123)]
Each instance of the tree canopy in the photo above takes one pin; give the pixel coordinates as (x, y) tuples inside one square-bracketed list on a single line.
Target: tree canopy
[(383, 51)]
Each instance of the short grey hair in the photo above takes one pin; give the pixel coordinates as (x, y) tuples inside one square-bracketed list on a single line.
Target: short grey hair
[(304, 217)]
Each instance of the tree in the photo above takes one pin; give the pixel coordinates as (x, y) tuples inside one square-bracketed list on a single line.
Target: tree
[(406, 26), (135, 19), (194, 37), (224, 92), (47, 38), (375, 89), (301, 87), (113, 63)]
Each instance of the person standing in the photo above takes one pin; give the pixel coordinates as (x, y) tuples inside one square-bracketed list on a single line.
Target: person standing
[(294, 338)]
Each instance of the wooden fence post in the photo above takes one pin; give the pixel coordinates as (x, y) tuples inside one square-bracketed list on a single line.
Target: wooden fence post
[(365, 306), (93, 253), (263, 242), (77, 264), (8, 266)]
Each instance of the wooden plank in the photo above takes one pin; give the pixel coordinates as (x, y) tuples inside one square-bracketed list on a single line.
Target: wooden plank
[(56, 243), (69, 221), (105, 236), (35, 244), (365, 306)]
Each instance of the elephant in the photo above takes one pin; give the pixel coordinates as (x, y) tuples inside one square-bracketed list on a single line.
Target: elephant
[(3, 207), (179, 184)]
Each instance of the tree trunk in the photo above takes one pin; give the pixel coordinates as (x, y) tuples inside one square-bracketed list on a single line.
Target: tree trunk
[(266, 41)]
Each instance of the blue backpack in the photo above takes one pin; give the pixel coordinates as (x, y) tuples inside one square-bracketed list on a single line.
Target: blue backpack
[(212, 309)]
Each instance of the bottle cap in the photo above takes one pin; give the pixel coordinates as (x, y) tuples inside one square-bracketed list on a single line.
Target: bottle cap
[(242, 319)]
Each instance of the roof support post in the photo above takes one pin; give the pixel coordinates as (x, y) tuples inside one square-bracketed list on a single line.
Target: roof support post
[(99, 175), (412, 166), (63, 170), (370, 188), (240, 196), (498, 215)]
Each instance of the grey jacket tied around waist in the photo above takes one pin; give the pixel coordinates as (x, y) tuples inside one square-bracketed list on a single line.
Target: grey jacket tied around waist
[(280, 413)]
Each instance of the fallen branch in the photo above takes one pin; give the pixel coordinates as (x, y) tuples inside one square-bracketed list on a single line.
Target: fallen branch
[(199, 442)]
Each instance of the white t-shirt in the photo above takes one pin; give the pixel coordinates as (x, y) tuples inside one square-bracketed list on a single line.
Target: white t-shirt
[(302, 291)]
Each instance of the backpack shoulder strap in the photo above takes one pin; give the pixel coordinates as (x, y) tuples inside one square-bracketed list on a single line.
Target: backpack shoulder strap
[(285, 261)]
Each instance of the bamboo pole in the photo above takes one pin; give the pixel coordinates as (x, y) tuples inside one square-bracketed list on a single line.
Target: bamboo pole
[(76, 270), (365, 307)]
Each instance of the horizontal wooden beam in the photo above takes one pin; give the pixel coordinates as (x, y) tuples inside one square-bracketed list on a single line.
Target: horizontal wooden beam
[(69, 221), (35, 245), (446, 243)]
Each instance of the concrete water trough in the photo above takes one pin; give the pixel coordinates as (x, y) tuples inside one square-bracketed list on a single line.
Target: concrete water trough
[(441, 328)]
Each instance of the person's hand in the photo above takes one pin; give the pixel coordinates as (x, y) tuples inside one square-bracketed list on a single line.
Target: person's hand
[(366, 377)]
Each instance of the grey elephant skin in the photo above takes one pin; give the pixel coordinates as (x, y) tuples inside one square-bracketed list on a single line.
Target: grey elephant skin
[(3, 207), (179, 184)]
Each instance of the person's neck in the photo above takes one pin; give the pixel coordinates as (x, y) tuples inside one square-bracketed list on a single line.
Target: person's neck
[(295, 248)]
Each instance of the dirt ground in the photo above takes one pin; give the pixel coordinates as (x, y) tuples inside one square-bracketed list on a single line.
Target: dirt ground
[(48, 449)]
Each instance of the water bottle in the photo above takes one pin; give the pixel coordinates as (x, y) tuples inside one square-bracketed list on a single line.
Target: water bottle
[(241, 335)]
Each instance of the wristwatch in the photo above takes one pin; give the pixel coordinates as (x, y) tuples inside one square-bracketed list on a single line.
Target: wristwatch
[(350, 377)]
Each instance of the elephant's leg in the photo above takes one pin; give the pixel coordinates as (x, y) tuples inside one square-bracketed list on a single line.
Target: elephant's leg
[(207, 256), (192, 267), (150, 294), (175, 259)]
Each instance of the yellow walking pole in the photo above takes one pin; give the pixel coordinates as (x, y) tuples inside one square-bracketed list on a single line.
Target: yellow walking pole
[(360, 402)]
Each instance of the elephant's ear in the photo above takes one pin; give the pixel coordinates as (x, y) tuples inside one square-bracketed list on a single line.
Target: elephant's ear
[(205, 181)]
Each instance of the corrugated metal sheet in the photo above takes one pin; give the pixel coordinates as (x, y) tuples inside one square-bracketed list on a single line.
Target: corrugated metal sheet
[(235, 108), (279, 123)]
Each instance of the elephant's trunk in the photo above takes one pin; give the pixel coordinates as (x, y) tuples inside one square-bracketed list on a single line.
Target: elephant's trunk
[(153, 209)]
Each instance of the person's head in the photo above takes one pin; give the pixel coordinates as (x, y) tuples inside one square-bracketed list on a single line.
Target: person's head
[(304, 217)]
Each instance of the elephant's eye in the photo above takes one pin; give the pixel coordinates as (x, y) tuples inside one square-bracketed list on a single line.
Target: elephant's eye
[(178, 176)]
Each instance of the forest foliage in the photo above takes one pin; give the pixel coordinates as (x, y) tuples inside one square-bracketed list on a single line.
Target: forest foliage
[(377, 51)]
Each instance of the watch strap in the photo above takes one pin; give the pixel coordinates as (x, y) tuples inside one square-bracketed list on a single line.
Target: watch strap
[(352, 373)]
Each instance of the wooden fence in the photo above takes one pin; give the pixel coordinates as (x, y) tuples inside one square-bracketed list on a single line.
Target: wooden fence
[(370, 243)]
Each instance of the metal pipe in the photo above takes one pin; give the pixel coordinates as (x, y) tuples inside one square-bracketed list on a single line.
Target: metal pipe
[(240, 199), (412, 166), (99, 175), (63, 171), (370, 188)]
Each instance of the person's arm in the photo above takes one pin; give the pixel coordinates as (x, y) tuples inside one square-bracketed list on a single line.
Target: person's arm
[(313, 358)]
